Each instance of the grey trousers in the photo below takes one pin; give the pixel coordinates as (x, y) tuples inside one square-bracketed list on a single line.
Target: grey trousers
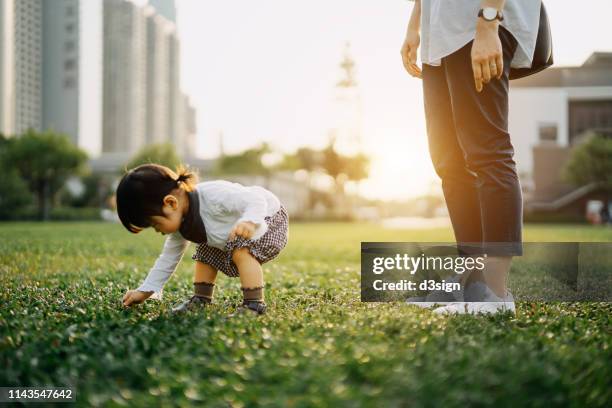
[(472, 152)]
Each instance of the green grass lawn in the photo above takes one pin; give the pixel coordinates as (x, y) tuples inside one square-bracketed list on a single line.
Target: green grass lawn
[(61, 324)]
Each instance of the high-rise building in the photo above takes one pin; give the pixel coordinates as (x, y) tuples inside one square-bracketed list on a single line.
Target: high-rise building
[(7, 67), (104, 72), (174, 101), (50, 68), (143, 101), (165, 8), (28, 64), (180, 120), (21, 65), (72, 71), (124, 77), (158, 90), (190, 130), (170, 116)]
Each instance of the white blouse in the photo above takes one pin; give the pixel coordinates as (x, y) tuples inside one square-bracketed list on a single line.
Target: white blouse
[(223, 204), (448, 25)]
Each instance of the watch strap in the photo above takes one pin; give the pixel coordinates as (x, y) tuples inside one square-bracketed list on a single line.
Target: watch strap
[(499, 16)]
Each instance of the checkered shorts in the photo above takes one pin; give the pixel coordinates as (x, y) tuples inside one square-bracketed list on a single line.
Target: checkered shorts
[(264, 248)]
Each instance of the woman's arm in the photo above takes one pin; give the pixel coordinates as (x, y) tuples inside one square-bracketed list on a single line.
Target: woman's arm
[(412, 41), (487, 55)]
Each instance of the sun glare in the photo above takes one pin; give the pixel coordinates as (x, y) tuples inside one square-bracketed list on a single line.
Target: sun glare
[(400, 168)]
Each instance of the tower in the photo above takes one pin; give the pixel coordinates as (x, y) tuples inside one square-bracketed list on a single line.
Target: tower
[(347, 109)]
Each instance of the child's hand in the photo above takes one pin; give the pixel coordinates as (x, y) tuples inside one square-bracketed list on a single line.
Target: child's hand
[(244, 229), (135, 297)]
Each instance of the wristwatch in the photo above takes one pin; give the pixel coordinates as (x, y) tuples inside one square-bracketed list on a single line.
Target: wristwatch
[(490, 14)]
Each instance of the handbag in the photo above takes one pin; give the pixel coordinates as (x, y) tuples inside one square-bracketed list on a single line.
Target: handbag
[(543, 53)]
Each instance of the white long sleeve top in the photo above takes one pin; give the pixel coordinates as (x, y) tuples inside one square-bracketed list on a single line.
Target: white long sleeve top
[(448, 25), (223, 204)]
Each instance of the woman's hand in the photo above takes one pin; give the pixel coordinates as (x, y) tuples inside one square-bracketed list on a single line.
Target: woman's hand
[(412, 42), (245, 229), (487, 60), (409, 53), (134, 297)]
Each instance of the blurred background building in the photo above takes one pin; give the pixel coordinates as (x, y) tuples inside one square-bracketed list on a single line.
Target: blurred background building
[(125, 80), (21, 64), (550, 114), (165, 8), (72, 71), (107, 73), (104, 72)]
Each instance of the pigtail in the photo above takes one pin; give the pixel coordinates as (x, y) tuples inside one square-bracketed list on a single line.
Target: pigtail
[(186, 178)]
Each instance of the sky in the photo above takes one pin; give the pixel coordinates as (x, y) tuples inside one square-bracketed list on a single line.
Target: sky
[(266, 71)]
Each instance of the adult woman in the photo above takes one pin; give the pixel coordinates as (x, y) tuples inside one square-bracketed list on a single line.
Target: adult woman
[(467, 50)]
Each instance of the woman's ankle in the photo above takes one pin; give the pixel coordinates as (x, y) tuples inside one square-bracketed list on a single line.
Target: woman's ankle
[(473, 276)]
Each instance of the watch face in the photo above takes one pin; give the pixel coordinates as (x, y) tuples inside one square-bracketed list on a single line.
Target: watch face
[(489, 13)]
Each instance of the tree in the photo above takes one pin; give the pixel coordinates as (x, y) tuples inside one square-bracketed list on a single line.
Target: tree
[(309, 159), (343, 168), (162, 153), (304, 158), (247, 162), (44, 161), (333, 164), (356, 167), (96, 189), (14, 193), (591, 162)]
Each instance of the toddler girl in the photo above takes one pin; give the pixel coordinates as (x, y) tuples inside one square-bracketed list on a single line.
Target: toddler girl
[(237, 229)]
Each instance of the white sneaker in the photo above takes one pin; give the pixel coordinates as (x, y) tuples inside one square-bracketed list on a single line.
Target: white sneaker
[(420, 301), (482, 301), (438, 297)]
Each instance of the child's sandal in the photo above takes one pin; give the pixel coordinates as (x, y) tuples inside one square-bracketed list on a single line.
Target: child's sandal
[(193, 302), (253, 306)]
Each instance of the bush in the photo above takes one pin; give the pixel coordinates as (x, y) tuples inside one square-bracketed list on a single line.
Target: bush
[(545, 217), (30, 213), (591, 162), (14, 194), (75, 214), (44, 160)]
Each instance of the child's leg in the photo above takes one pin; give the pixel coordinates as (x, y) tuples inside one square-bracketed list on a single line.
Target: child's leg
[(251, 274), (204, 280), (203, 288), (204, 273)]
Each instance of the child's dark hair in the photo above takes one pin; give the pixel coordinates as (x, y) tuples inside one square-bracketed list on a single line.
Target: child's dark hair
[(141, 192)]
